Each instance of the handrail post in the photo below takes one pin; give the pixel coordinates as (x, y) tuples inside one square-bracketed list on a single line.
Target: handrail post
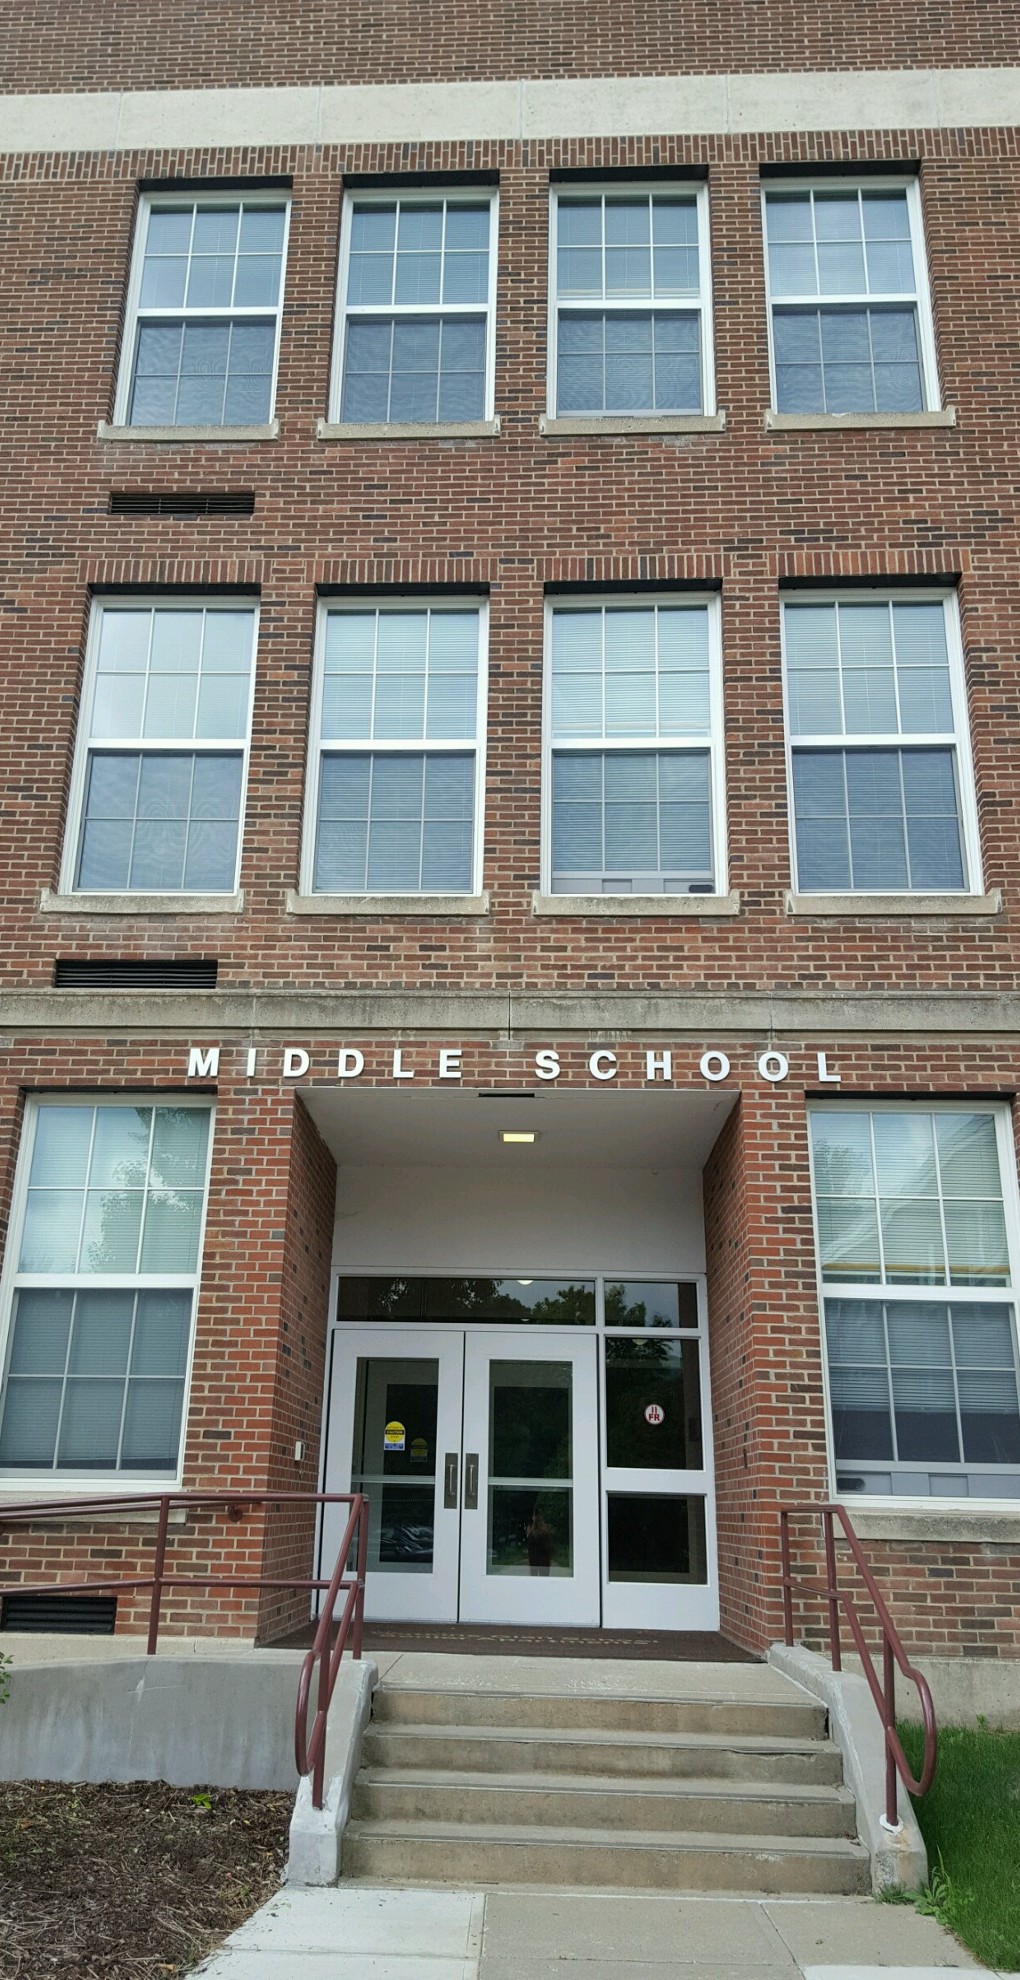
[(359, 1603), (892, 1815), (830, 1574), (157, 1573), (784, 1553)]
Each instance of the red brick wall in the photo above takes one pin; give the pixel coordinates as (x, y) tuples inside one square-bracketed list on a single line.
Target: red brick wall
[(300, 41), (744, 509)]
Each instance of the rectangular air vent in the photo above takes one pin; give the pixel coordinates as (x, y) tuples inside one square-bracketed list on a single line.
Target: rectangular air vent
[(191, 973), (174, 502), (62, 1615)]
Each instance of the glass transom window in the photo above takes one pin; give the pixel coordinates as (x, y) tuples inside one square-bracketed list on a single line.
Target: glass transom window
[(159, 780), (204, 312), (920, 1313), (880, 766), (417, 287), (633, 722), (106, 1249), (398, 778), (631, 302), (851, 328)]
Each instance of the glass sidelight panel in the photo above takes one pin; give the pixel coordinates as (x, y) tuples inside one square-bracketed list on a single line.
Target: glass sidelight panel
[(651, 1303), (531, 1498), (657, 1539), (653, 1404), (394, 1461)]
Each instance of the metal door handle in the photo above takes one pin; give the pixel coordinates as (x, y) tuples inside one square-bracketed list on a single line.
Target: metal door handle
[(471, 1481), (450, 1482)]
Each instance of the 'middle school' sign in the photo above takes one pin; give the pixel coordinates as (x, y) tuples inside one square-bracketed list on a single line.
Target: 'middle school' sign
[(663, 1066)]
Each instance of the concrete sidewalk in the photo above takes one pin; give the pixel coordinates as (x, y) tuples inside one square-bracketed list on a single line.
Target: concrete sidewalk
[(362, 1932)]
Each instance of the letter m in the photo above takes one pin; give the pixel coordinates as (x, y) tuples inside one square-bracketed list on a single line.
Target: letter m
[(203, 1062)]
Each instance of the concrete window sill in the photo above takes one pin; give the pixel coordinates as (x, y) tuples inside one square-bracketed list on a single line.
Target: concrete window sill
[(453, 429), (602, 426), (211, 435), (607, 906), (936, 1521), (145, 1516), (423, 905), (90, 904), (830, 905), (858, 422)]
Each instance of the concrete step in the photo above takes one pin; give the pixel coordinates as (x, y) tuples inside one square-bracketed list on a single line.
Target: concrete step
[(504, 1749), (798, 1717), (496, 1853), (399, 1794)]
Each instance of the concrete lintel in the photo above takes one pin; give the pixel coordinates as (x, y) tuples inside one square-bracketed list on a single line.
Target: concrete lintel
[(450, 429), (208, 435), (600, 426), (506, 110), (898, 1862), (206, 1016), (316, 1833), (832, 905), (387, 904), (856, 422), (605, 907), (161, 904)]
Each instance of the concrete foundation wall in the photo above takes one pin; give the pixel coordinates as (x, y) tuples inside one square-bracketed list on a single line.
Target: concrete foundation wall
[(194, 1721)]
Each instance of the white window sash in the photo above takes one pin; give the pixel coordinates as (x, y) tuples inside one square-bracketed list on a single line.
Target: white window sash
[(699, 305), (40, 1484), (134, 314), (321, 747), (710, 744), (431, 312), (919, 298), (888, 1293), (957, 739), (88, 744)]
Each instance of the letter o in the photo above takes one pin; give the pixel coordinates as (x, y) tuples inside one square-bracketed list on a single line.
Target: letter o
[(714, 1066), (773, 1066)]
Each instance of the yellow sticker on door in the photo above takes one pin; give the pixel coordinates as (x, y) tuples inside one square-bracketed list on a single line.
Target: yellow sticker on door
[(394, 1437)]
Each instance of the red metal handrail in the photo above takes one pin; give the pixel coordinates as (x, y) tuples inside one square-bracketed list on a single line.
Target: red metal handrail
[(310, 1753), (893, 1653)]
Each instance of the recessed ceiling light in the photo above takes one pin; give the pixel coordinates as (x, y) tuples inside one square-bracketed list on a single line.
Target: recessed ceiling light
[(513, 1135)]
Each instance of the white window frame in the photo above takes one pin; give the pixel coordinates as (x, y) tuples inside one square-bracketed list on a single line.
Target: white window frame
[(905, 1291), (714, 742), (39, 1484), (849, 182), (396, 193), (85, 742), (697, 193), (178, 201), (834, 743), (362, 746)]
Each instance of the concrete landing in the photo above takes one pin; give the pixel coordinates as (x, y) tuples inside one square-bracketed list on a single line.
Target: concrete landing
[(362, 1932)]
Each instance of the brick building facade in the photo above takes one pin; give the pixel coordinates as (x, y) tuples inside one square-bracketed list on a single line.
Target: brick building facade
[(669, 819)]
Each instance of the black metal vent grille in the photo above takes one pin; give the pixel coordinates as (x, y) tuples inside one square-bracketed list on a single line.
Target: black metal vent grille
[(191, 973), (61, 1615), (182, 502)]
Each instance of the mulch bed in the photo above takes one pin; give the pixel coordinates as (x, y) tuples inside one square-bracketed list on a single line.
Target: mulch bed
[(132, 1882)]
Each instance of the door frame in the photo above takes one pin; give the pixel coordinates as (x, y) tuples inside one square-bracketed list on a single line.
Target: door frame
[(657, 1606)]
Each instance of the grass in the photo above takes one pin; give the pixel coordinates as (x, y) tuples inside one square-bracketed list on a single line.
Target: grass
[(970, 1820)]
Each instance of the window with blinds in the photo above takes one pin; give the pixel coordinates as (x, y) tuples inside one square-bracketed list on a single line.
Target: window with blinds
[(106, 1249), (633, 770), (399, 722), (915, 1246)]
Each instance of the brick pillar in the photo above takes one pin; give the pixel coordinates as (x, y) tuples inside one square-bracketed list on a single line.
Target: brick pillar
[(767, 1396)]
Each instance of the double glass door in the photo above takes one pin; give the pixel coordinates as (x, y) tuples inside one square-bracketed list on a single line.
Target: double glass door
[(477, 1457)]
